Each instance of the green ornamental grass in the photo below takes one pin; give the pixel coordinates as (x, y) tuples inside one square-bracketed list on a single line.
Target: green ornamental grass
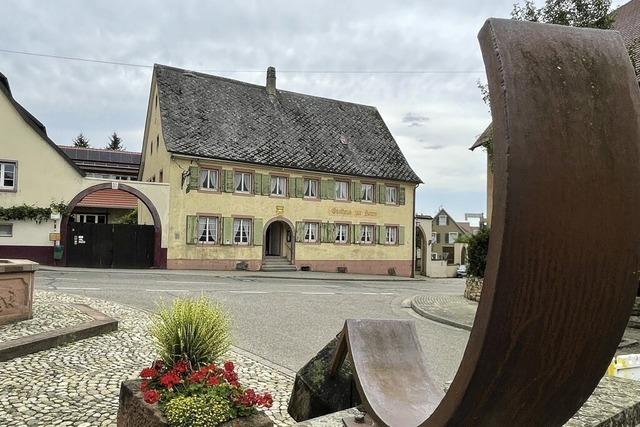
[(196, 329)]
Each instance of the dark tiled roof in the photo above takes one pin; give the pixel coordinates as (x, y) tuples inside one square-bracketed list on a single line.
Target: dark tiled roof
[(627, 21), (483, 138), (215, 117)]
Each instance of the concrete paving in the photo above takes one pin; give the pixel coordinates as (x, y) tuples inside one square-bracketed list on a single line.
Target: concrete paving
[(284, 319)]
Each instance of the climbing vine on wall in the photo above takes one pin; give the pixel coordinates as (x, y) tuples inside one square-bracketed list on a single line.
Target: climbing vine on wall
[(26, 212)]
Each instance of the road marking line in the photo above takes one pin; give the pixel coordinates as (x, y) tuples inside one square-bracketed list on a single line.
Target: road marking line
[(63, 278), (167, 290), (312, 286), (318, 293), (66, 288), (247, 292), (191, 283)]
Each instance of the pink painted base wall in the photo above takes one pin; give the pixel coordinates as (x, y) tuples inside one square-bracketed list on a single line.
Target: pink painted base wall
[(210, 264), (377, 267)]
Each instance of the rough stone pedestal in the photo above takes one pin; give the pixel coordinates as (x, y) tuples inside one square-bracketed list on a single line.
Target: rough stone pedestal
[(133, 411), (16, 290), (315, 393), (473, 288)]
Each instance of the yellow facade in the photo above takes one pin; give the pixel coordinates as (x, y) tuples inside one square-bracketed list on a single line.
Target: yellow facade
[(263, 209)]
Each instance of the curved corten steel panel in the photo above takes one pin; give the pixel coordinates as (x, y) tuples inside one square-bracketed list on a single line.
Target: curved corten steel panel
[(562, 269)]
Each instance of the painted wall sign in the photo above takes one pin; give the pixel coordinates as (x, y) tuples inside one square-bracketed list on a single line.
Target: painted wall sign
[(360, 213), (279, 210), (53, 237)]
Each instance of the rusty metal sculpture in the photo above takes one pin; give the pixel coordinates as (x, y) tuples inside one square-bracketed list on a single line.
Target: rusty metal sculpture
[(562, 269)]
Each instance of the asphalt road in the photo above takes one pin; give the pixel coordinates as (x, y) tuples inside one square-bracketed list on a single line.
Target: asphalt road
[(285, 321)]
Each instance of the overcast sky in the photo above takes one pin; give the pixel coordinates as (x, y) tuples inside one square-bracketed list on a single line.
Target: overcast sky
[(434, 116)]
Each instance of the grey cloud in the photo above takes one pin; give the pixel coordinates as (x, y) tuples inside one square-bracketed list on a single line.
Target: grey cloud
[(415, 119)]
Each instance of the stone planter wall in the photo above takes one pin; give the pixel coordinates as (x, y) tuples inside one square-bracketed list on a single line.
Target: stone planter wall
[(473, 288), (133, 411)]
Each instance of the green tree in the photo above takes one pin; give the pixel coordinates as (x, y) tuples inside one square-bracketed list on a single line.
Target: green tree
[(573, 13), (477, 252), (81, 141), (115, 142)]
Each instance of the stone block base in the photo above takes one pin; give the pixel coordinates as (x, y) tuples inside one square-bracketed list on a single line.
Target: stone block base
[(133, 411), (473, 288)]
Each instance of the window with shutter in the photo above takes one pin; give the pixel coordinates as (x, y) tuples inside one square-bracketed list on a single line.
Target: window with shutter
[(342, 233), (191, 232), (311, 189)]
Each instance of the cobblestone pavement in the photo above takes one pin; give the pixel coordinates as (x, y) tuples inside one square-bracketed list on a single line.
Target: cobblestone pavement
[(46, 317), (78, 384)]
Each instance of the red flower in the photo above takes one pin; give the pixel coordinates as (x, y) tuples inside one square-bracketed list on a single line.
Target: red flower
[(151, 396), (213, 380), (144, 385), (158, 365), (231, 377), (228, 366), (148, 373), (181, 366), (265, 400), (169, 379), (197, 376), (211, 367)]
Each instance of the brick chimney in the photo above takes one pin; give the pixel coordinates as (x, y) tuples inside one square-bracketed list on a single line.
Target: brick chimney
[(271, 81)]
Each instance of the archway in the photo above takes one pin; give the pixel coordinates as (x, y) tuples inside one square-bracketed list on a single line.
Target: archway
[(422, 251), (159, 255), (278, 241)]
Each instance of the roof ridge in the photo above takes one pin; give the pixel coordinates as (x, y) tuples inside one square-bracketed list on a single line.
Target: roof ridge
[(253, 85), (98, 149)]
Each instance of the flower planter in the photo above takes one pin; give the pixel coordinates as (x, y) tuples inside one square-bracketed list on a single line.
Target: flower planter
[(16, 290), (133, 411)]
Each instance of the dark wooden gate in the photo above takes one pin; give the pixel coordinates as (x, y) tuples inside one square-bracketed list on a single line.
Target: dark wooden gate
[(109, 245)]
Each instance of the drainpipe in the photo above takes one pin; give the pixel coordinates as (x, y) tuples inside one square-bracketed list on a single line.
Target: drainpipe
[(413, 235)]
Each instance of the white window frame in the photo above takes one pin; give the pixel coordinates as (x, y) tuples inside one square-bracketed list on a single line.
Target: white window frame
[(209, 231), (434, 238), (342, 233), (452, 234), (310, 232), (391, 235), (367, 189), (279, 186), (205, 178), (82, 218), (242, 180), (239, 225), (442, 220), (3, 169), (10, 226), (391, 195), (311, 188), (339, 186), (367, 231)]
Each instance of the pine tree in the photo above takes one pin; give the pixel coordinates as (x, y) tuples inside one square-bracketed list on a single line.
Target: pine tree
[(115, 143), (81, 141)]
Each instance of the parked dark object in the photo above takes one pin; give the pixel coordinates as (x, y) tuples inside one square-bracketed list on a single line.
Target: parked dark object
[(565, 104), (133, 411)]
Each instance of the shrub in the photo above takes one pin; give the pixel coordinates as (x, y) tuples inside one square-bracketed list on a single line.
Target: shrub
[(477, 252), (196, 411), (195, 330)]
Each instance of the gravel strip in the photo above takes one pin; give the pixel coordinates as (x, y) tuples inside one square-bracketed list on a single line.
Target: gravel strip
[(78, 384), (47, 315)]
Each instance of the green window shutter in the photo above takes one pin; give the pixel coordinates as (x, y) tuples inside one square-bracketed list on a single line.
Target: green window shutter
[(266, 184), (356, 233), (381, 233), (291, 186), (227, 231), (324, 230), (401, 195), (299, 187), (299, 231), (382, 197), (257, 231), (331, 189), (257, 178), (194, 178), (331, 232), (323, 188), (228, 180), (192, 229), (401, 235), (356, 191)]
